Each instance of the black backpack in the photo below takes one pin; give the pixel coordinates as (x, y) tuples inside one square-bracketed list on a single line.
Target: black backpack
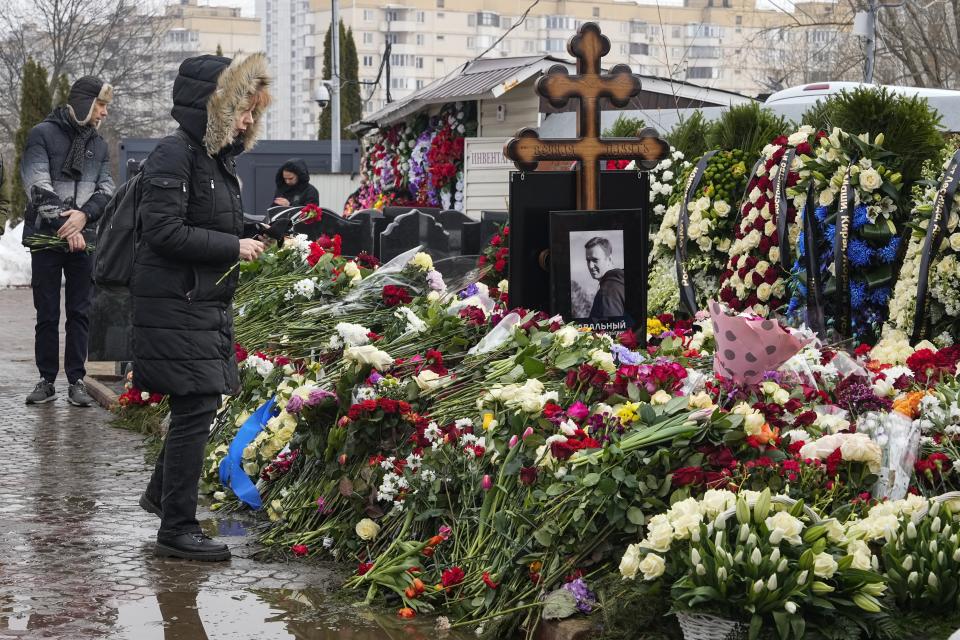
[(118, 233)]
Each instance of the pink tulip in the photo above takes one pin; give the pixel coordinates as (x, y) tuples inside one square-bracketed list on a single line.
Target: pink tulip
[(527, 432), (486, 483), (513, 441)]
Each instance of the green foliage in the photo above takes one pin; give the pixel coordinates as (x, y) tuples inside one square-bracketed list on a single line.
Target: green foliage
[(35, 104), (351, 105), (910, 127), (690, 136), (634, 610), (63, 91), (748, 127), (624, 127)]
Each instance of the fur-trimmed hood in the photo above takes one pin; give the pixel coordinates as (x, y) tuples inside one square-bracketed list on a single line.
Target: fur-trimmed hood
[(209, 91)]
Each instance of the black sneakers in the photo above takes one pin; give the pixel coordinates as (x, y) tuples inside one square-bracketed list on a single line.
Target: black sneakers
[(192, 546), (42, 393), (77, 395)]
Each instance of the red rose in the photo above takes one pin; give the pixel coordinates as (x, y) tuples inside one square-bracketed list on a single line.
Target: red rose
[(300, 550), (687, 476), (394, 295), (388, 405), (451, 577), (364, 567), (552, 410), (528, 475)]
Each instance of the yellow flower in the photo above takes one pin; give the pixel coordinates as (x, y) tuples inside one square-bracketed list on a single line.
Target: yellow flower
[(487, 420), (628, 413), (655, 327)]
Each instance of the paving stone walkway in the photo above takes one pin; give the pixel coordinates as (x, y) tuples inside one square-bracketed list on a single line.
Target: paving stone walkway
[(76, 552)]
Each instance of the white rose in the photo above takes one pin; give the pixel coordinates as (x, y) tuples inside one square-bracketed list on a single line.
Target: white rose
[(955, 241), (861, 554), (797, 138), (428, 380), (870, 180), (630, 562), (753, 423), (721, 208), (858, 447), (782, 396), (603, 360), (368, 354), (716, 501), (367, 529), (769, 387), (566, 335), (659, 533), (775, 254), (785, 524), (826, 198), (660, 397), (824, 566), (694, 231), (652, 566), (832, 424), (701, 400), (764, 291)]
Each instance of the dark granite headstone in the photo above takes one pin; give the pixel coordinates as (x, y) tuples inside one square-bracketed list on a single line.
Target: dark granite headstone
[(411, 229), (110, 325), (464, 232), (392, 212), (352, 232), (374, 224)]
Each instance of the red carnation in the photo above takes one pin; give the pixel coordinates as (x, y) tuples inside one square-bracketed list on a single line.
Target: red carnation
[(451, 577), (364, 567), (300, 550), (394, 295)]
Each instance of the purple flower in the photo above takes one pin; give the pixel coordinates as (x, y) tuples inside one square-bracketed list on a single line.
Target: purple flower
[(322, 505), (586, 599), (624, 355), (317, 396), (472, 290), (295, 404), (374, 378), (435, 280)]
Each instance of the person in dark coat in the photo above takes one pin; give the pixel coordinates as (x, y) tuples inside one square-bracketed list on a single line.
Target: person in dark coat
[(192, 227), (66, 176), (293, 185), (609, 299)]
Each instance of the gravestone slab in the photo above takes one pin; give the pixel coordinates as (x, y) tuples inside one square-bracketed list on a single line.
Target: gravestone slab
[(374, 223), (464, 232), (411, 229)]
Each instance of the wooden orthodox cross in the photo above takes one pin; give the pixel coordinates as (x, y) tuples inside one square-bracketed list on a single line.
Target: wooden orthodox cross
[(588, 46)]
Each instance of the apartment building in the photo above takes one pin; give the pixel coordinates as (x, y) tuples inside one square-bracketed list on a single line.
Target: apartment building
[(294, 48), (720, 44)]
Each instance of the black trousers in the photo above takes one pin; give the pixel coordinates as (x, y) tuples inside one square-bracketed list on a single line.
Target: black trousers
[(49, 267), (177, 472)]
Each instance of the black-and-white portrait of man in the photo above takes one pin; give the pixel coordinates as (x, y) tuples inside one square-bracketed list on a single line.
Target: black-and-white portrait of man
[(597, 276)]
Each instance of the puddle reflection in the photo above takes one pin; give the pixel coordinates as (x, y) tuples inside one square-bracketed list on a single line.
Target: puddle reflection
[(265, 614)]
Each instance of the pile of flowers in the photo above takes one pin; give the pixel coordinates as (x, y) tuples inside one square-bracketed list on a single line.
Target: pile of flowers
[(712, 221), (874, 223), (943, 302)]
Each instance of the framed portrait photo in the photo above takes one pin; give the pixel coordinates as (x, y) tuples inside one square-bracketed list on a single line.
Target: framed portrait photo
[(596, 268)]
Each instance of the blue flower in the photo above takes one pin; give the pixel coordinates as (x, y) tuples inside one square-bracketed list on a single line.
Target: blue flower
[(859, 253), (820, 213), (626, 356), (860, 216), (880, 296), (829, 231), (889, 253), (472, 290), (793, 306), (801, 290), (858, 293), (801, 245)]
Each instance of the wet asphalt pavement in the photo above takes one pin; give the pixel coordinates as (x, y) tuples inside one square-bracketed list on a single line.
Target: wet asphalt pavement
[(76, 552)]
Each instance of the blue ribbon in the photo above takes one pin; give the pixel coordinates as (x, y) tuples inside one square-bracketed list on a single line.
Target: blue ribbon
[(231, 467)]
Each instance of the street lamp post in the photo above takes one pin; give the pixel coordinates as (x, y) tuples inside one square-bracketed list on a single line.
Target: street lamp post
[(335, 89)]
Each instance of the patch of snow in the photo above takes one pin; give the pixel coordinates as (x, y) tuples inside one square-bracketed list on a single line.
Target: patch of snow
[(14, 259)]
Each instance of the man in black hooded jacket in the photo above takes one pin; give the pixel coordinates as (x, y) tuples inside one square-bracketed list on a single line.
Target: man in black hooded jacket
[(66, 162), (192, 225), (293, 185)]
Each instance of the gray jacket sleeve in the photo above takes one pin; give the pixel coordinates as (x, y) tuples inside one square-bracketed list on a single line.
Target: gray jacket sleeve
[(94, 206), (35, 164)]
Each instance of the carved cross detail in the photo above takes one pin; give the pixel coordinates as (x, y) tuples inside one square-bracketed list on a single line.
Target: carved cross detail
[(588, 46)]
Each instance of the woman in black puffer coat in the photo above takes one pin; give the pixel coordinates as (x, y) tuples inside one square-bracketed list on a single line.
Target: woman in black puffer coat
[(192, 223)]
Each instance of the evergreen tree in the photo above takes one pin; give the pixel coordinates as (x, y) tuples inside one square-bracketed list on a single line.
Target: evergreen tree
[(35, 104), (63, 91), (219, 49), (351, 106)]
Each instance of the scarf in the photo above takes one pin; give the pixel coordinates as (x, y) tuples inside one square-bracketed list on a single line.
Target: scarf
[(73, 163)]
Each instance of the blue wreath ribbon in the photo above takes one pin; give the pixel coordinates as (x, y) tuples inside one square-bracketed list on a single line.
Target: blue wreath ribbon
[(231, 467)]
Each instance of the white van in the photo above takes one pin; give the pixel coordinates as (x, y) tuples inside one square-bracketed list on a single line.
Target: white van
[(793, 102)]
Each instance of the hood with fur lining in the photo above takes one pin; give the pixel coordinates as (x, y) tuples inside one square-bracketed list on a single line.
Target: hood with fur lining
[(210, 90)]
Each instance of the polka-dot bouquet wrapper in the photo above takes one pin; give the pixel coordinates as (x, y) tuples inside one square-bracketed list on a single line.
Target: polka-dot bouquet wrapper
[(749, 347)]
